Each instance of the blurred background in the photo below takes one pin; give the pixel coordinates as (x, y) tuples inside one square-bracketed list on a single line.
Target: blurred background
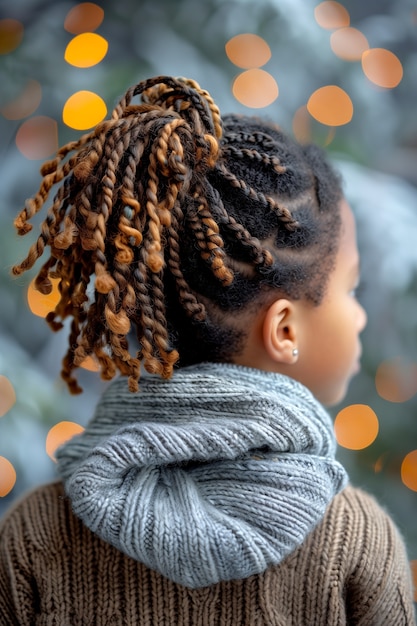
[(343, 75)]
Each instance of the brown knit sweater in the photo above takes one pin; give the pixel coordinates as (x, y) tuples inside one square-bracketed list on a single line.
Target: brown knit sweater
[(352, 570)]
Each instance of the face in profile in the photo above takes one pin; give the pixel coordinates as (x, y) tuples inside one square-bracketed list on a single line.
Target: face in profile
[(329, 344)]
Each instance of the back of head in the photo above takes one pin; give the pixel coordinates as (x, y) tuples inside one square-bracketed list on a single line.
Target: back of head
[(179, 225)]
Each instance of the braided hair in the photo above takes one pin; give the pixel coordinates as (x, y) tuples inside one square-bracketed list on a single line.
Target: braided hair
[(169, 222)]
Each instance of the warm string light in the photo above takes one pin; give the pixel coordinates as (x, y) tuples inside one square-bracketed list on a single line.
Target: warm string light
[(255, 88), (11, 35), (330, 105), (84, 109), (331, 15), (7, 471), (396, 379), (7, 476), (7, 395), (409, 470), (85, 17), (37, 136), (382, 67), (60, 434), (26, 102), (356, 426)]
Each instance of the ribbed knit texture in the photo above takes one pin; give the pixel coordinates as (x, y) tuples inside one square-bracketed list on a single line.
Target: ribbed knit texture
[(213, 475), (350, 571)]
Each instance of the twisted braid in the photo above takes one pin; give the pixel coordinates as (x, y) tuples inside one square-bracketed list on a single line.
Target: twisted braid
[(166, 214), (193, 308), (252, 249), (206, 233)]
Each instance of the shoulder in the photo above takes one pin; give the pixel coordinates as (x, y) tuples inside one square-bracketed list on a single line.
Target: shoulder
[(35, 514), (42, 494), (364, 513), (367, 527), (358, 503), (376, 566)]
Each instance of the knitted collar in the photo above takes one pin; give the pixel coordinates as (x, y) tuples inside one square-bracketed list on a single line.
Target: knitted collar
[(215, 474)]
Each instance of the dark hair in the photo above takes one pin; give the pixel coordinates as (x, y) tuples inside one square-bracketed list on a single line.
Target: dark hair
[(175, 221)]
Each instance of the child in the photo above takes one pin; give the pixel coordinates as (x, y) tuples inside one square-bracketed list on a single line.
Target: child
[(205, 491)]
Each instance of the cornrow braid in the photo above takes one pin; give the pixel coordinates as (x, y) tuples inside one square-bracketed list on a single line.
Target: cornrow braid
[(167, 219), (282, 212)]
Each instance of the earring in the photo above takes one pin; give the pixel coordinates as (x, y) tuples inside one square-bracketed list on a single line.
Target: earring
[(295, 352)]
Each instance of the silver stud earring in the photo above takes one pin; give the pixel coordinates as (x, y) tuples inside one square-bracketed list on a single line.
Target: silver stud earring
[(295, 352)]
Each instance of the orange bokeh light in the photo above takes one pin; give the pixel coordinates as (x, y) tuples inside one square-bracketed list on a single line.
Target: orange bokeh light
[(379, 463), (255, 88), (331, 15), (37, 137), (382, 67), (248, 50), (83, 110), (409, 470), (86, 50), (7, 395), (356, 426), (330, 105), (42, 304), (349, 43), (396, 380), (91, 364), (301, 125), (11, 34), (60, 434), (83, 18), (25, 104), (7, 477)]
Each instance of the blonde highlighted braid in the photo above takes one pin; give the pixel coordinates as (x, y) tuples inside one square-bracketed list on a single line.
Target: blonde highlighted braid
[(144, 209)]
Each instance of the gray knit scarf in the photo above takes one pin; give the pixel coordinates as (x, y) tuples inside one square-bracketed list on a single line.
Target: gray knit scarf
[(213, 475)]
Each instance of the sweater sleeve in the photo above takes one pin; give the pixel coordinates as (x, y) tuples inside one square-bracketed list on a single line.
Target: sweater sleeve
[(379, 585), (18, 596)]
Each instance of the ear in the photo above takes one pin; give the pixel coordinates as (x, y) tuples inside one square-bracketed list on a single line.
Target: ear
[(280, 332)]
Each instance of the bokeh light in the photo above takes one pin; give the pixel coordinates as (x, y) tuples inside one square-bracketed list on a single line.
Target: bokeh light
[(41, 304), (349, 43), (330, 105), (396, 380), (83, 18), (37, 137), (255, 88), (11, 35), (382, 67), (83, 110), (356, 426), (91, 364), (25, 104), (248, 51), (379, 463), (7, 395), (331, 15), (301, 125), (7, 476), (60, 434), (409, 470), (86, 50)]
